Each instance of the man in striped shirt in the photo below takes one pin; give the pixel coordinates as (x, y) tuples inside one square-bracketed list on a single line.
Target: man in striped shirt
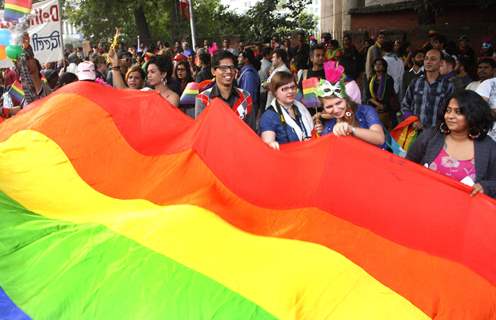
[(427, 94)]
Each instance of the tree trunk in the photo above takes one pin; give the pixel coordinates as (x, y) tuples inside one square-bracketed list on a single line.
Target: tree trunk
[(142, 25), (174, 22)]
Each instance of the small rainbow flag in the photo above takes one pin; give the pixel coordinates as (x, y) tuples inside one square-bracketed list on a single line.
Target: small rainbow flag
[(192, 89), (189, 93), (404, 133), (16, 9), (16, 93), (310, 99)]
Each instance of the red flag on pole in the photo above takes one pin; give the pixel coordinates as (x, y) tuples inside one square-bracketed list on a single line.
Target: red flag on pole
[(184, 8)]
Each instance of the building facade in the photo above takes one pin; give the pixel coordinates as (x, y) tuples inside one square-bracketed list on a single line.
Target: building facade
[(400, 19)]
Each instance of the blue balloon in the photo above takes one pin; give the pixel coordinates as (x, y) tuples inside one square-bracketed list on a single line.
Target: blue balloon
[(5, 37)]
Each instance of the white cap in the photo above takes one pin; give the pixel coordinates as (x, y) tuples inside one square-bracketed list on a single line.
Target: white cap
[(86, 71)]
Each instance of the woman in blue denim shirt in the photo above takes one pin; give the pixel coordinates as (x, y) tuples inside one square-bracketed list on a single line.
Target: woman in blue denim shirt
[(286, 120)]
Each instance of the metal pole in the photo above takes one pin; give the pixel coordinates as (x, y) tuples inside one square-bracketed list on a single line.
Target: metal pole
[(61, 29), (193, 36)]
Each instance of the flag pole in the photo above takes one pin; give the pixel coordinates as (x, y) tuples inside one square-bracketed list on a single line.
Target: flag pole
[(193, 36)]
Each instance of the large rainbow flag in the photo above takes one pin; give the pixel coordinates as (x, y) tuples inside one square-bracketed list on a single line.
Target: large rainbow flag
[(115, 205)]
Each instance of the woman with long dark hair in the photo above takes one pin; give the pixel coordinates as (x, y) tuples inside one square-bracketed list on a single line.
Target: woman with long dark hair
[(157, 78), (459, 146), (183, 74)]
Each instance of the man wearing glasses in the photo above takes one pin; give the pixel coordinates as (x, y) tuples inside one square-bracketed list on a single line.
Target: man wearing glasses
[(224, 70)]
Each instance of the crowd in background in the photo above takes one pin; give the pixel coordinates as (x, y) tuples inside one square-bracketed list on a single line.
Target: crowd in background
[(449, 86)]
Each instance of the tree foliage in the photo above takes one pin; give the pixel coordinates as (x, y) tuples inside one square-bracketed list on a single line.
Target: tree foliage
[(271, 17), (97, 20), (214, 20), (151, 19), (160, 20)]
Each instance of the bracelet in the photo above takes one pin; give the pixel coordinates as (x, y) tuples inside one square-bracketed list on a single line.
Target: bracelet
[(116, 68), (353, 131)]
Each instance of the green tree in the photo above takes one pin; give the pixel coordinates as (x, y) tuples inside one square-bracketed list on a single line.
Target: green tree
[(150, 19), (214, 20), (270, 17), (98, 19), (305, 21)]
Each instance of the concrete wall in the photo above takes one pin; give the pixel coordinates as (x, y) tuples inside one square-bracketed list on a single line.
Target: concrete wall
[(334, 16), (326, 13)]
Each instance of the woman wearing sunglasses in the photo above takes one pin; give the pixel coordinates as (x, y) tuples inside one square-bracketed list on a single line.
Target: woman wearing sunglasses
[(285, 120)]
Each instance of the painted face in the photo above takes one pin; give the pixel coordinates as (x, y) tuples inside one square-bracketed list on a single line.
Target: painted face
[(286, 94), (336, 107), (135, 81), (155, 77), (224, 73), (454, 118)]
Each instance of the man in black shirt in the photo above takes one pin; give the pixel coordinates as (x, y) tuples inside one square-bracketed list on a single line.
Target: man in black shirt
[(351, 59), (205, 73), (317, 58), (302, 51)]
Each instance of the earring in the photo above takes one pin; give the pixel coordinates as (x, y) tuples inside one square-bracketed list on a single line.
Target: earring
[(348, 116), (444, 128), (473, 135)]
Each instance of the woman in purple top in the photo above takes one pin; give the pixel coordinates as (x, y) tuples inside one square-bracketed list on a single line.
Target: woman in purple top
[(459, 147)]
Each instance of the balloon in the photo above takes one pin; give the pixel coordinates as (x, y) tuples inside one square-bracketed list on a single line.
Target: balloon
[(3, 54), (14, 51), (5, 37)]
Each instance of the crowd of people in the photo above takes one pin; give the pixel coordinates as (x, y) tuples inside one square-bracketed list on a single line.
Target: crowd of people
[(365, 92)]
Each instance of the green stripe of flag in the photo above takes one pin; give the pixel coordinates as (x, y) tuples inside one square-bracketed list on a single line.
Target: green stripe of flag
[(57, 270)]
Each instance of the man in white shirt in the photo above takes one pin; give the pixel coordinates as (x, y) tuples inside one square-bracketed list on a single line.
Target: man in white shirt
[(226, 45), (487, 90), (485, 70), (280, 62), (395, 68), (264, 73)]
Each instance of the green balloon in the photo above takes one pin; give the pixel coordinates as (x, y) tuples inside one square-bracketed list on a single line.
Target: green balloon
[(13, 51)]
